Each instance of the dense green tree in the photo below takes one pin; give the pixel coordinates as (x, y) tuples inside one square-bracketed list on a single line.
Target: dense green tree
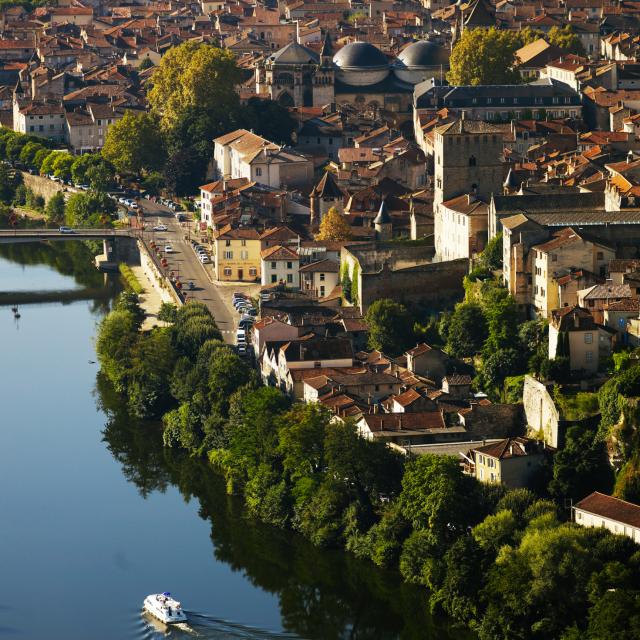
[(62, 164), (117, 337), (168, 312), (29, 151), (466, 330), (484, 56), (194, 74), (153, 360), (301, 440), (565, 38), (55, 208), (90, 209), (581, 466), (184, 171), (268, 119), (134, 144), (465, 564), (437, 496), (390, 326), (9, 181), (46, 165)]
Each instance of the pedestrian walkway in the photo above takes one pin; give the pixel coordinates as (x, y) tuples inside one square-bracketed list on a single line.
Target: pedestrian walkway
[(150, 300)]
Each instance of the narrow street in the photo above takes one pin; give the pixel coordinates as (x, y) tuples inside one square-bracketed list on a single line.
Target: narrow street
[(186, 264)]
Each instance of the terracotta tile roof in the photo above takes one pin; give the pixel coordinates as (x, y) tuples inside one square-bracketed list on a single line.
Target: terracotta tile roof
[(419, 349), (458, 379), (399, 422), (279, 252), (326, 266), (512, 448), (605, 506)]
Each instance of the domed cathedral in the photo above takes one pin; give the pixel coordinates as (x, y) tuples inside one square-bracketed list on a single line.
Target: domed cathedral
[(296, 76), (359, 75)]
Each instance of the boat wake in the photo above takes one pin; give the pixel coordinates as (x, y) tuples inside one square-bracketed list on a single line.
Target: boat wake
[(206, 627)]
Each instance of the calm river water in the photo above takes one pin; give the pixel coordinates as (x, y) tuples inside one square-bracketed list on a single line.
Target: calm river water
[(95, 514)]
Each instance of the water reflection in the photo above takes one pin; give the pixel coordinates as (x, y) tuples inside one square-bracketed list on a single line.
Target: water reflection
[(322, 594)]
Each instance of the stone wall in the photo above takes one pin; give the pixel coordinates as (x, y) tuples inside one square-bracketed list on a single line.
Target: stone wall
[(541, 412), (432, 283), (43, 186)]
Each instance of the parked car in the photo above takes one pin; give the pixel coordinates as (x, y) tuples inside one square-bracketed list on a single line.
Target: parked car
[(160, 227), (204, 259), (168, 249), (242, 349)]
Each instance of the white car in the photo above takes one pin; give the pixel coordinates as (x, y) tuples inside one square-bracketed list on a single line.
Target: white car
[(205, 259), (160, 227), (168, 249), (66, 230)]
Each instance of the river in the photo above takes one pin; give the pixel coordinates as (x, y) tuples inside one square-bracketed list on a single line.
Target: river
[(95, 513)]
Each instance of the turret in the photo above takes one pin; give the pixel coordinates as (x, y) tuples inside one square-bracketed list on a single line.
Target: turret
[(383, 224)]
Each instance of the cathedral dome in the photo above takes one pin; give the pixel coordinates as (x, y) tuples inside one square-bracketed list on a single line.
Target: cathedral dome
[(360, 63), (416, 60)]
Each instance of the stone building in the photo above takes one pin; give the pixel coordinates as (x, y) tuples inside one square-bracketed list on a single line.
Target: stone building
[(359, 74)]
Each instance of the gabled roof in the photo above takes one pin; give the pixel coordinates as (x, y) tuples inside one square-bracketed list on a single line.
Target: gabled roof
[(294, 53), (328, 188), (511, 448), (279, 252), (613, 508)]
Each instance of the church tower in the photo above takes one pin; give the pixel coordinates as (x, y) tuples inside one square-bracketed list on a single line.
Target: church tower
[(324, 78)]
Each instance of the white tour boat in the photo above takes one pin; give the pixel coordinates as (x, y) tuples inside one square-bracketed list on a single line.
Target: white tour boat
[(165, 608)]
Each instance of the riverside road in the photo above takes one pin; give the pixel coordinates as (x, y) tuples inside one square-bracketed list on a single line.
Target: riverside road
[(186, 265)]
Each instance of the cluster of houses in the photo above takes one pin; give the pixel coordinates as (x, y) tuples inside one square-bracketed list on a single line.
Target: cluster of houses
[(423, 175)]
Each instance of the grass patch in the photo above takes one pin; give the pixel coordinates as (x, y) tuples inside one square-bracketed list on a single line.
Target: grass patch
[(130, 279), (576, 406)]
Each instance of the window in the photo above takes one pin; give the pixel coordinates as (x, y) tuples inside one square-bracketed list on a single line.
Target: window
[(600, 255), (322, 277), (290, 278), (274, 277), (244, 255), (472, 161), (258, 171), (228, 255), (289, 265), (243, 243), (227, 243), (273, 265), (227, 271), (554, 257), (588, 338), (589, 356), (322, 291)]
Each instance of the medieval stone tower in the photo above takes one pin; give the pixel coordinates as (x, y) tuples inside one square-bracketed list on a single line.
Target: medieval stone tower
[(468, 160)]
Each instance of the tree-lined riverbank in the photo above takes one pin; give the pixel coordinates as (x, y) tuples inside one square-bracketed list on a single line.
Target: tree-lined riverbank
[(495, 560)]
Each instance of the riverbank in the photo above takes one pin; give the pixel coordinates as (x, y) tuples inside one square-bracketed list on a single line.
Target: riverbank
[(115, 501), (471, 545)]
